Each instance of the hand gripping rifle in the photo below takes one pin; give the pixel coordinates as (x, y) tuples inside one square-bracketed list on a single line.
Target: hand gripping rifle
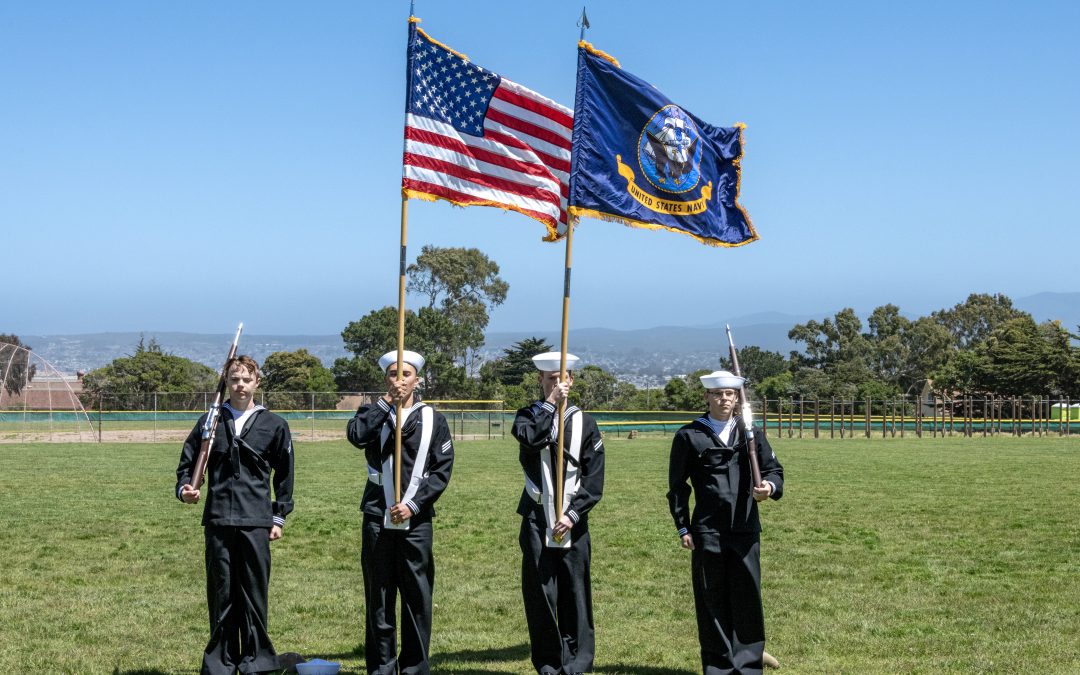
[(209, 429), (746, 414)]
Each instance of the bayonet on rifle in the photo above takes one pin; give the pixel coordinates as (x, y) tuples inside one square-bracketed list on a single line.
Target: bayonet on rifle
[(746, 413), (209, 428)]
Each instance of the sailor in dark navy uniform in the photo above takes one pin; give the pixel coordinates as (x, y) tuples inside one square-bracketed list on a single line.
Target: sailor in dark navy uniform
[(252, 449), (556, 551), (723, 534), (396, 554)]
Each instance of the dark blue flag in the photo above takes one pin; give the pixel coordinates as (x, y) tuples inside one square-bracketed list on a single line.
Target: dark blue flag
[(641, 160)]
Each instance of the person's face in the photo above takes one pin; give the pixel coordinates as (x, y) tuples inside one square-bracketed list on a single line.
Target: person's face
[(408, 377), (242, 385), (721, 402), (548, 380)]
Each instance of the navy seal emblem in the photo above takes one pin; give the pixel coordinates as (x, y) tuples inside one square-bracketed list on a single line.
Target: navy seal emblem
[(669, 150)]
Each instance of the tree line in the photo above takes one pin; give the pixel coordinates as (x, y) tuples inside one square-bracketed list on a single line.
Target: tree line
[(982, 346)]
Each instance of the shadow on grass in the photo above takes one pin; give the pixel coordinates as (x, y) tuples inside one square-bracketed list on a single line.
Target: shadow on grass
[(451, 661), (140, 671), (642, 670), (455, 661)]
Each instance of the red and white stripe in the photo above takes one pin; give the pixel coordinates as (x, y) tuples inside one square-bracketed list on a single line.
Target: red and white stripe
[(522, 162)]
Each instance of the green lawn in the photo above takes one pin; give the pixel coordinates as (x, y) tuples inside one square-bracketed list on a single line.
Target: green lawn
[(885, 556)]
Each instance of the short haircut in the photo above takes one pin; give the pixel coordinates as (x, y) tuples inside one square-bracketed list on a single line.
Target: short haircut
[(244, 361)]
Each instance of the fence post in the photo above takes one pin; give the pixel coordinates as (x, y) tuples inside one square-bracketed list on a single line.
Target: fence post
[(886, 405), (832, 419), (817, 416), (764, 418), (843, 418), (154, 435), (868, 419), (99, 404), (802, 410), (791, 418)]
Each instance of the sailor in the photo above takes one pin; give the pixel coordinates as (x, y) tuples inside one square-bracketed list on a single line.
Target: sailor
[(396, 554), (252, 450), (712, 453), (555, 544)]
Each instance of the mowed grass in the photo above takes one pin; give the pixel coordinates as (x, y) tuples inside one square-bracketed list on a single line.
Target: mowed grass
[(885, 556)]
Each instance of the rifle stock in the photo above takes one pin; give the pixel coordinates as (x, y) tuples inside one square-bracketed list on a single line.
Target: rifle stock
[(209, 429), (746, 413)]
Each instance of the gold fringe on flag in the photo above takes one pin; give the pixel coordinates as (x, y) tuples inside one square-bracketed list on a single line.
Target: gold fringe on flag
[(441, 44), (604, 55), (552, 231)]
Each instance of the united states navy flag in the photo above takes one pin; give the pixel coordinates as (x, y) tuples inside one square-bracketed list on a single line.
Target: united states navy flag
[(641, 160)]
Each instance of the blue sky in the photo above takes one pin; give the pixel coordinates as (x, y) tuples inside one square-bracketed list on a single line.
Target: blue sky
[(184, 166)]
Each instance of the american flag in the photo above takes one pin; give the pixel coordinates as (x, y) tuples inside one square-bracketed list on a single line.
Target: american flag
[(474, 138)]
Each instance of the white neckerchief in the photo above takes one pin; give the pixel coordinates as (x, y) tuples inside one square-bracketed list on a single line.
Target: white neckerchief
[(722, 428), (240, 418)]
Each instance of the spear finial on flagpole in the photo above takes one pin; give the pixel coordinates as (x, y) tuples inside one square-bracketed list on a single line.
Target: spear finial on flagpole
[(412, 8), (583, 22)]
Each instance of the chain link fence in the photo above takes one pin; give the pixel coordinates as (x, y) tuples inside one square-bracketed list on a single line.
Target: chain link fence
[(170, 416)]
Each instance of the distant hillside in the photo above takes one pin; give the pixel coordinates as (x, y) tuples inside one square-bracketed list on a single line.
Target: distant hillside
[(1063, 307), (70, 353), (646, 356)]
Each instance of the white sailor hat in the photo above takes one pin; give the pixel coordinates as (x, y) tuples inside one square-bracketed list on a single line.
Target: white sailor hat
[(548, 362), (412, 358), (722, 379)]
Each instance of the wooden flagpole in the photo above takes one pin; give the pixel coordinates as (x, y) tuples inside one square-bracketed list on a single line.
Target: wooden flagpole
[(401, 312), (400, 342), (583, 23), (562, 370)]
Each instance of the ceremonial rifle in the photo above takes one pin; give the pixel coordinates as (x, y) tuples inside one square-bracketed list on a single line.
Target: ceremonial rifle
[(209, 429), (746, 413)]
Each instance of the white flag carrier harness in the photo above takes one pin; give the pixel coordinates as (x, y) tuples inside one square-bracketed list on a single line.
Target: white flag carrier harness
[(385, 478), (571, 481)]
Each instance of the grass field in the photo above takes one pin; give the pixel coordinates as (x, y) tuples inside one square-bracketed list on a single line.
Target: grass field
[(885, 556)]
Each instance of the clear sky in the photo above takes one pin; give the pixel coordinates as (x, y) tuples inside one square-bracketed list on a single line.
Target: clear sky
[(184, 166)]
